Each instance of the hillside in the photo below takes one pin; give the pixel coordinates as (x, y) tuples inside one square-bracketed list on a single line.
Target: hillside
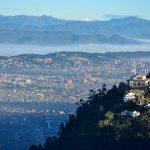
[(100, 124), (53, 31)]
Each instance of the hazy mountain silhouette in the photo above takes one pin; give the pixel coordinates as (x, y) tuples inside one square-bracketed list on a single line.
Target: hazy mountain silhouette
[(49, 30)]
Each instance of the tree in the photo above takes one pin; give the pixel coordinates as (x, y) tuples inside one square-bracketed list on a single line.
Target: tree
[(50, 142), (104, 89), (148, 76), (90, 128)]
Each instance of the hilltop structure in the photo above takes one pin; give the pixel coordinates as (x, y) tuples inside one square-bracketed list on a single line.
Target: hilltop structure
[(138, 83)]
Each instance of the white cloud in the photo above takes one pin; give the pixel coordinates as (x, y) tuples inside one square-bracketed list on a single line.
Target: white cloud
[(113, 16), (86, 19)]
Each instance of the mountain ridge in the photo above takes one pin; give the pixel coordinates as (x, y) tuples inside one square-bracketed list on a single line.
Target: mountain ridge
[(49, 30)]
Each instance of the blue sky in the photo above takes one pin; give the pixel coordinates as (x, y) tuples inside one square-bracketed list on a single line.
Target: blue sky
[(77, 9)]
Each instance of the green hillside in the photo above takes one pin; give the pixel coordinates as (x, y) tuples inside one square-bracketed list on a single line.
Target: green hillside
[(100, 125)]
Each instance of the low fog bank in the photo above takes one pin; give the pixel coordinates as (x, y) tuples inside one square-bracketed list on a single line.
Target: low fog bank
[(11, 50)]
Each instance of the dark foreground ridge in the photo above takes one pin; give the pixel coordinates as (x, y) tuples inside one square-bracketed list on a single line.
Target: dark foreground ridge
[(99, 124)]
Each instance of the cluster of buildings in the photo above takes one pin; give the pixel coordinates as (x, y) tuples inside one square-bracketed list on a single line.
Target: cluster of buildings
[(138, 84), (62, 76)]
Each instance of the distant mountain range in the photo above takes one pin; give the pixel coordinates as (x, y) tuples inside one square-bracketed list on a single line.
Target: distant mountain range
[(48, 30)]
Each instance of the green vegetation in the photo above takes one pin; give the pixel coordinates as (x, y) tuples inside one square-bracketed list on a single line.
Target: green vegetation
[(98, 124), (147, 95)]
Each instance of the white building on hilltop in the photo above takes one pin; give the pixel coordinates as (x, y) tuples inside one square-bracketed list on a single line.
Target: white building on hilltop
[(139, 81)]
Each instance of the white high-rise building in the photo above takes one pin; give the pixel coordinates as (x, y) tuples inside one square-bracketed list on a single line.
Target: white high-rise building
[(133, 70)]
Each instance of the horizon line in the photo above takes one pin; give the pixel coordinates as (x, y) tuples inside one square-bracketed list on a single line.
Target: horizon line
[(85, 20)]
